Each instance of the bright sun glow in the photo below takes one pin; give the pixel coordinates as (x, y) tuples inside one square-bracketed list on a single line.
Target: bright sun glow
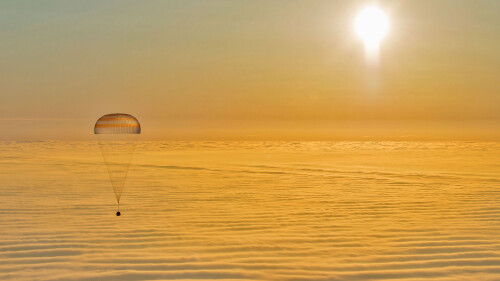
[(371, 26)]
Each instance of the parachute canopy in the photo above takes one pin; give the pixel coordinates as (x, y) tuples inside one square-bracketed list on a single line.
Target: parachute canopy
[(117, 123)]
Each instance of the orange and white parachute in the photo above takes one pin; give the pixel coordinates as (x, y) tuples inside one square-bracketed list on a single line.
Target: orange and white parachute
[(117, 134), (117, 123)]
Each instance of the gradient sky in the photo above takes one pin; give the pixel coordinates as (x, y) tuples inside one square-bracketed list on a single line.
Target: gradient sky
[(255, 69)]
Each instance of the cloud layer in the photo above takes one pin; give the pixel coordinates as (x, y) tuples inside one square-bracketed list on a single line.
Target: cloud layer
[(252, 211)]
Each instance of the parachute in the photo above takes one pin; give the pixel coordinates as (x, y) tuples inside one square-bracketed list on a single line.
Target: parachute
[(117, 134)]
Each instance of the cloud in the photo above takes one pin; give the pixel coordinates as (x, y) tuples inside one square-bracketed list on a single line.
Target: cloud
[(252, 211)]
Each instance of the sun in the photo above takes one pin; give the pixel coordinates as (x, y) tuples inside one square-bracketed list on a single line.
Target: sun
[(371, 26)]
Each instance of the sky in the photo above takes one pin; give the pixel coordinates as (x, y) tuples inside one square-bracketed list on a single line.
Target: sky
[(249, 70)]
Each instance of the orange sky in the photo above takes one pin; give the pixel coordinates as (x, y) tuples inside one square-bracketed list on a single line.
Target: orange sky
[(249, 69)]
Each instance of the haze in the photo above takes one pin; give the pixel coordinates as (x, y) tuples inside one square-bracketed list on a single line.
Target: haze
[(249, 70)]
